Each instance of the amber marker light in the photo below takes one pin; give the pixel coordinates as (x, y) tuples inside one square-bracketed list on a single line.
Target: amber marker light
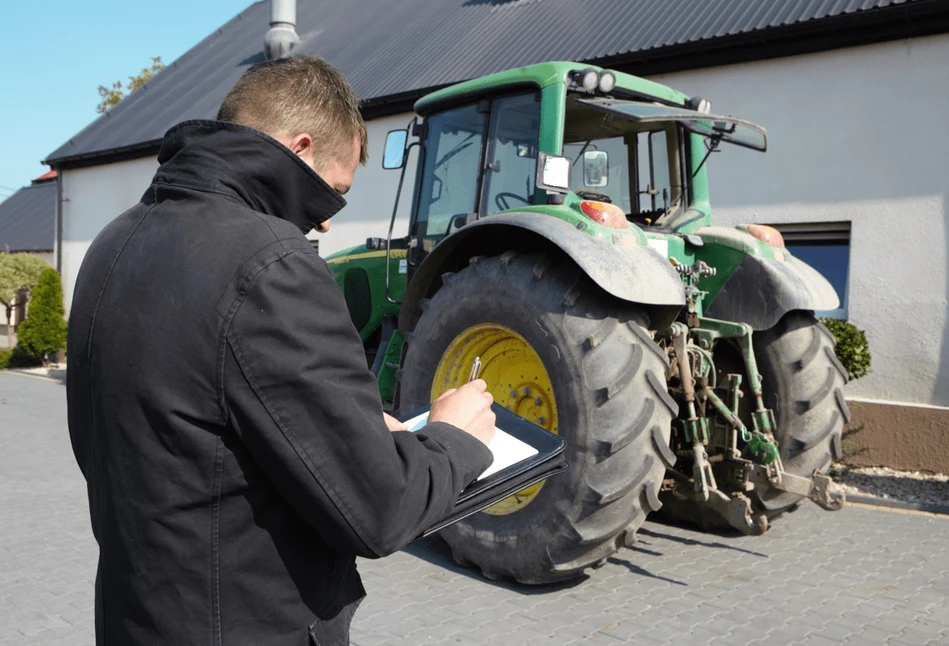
[(609, 215), (766, 234)]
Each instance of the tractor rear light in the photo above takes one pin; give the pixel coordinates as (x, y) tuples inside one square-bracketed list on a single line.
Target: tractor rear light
[(609, 215), (768, 235)]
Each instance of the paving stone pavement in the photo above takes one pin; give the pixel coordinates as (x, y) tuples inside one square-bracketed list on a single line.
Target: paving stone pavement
[(859, 576)]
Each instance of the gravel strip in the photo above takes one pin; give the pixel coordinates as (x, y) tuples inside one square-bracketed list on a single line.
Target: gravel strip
[(883, 482), (53, 371)]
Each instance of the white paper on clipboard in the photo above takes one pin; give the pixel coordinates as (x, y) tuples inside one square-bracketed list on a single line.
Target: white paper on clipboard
[(506, 448)]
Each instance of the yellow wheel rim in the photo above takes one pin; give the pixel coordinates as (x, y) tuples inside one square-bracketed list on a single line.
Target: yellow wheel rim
[(516, 377)]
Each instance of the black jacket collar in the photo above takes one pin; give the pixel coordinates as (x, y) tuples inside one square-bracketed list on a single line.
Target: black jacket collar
[(227, 158)]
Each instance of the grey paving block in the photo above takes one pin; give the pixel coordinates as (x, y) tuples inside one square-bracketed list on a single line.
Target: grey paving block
[(835, 631), (869, 636), (814, 578)]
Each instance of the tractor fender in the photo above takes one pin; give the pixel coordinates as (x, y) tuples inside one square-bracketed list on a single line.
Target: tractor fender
[(629, 272), (760, 291)]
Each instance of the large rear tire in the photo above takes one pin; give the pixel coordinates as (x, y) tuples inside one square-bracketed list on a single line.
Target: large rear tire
[(582, 364), (803, 384)]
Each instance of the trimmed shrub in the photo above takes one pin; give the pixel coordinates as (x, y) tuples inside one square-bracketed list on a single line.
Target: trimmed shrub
[(43, 332), (852, 348), (17, 358)]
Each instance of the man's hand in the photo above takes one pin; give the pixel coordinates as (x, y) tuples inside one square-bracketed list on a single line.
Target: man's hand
[(468, 408), (393, 423)]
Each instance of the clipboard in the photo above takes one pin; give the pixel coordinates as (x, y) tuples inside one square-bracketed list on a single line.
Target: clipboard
[(545, 460)]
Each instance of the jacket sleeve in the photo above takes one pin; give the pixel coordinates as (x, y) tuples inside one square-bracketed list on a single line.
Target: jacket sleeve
[(303, 402)]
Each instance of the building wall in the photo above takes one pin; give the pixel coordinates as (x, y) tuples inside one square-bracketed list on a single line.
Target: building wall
[(95, 195), (92, 197), (856, 134)]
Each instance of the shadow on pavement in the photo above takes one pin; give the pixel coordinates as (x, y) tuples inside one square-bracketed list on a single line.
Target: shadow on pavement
[(635, 569), (692, 541), (436, 551)]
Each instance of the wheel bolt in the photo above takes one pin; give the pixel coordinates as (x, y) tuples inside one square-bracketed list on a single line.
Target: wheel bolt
[(541, 420), (538, 402), (527, 391)]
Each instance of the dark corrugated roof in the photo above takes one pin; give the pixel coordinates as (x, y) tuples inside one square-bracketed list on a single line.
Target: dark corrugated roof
[(28, 219), (402, 46)]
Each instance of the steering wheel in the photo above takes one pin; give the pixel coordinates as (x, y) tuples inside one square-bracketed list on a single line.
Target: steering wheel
[(587, 194), (501, 200)]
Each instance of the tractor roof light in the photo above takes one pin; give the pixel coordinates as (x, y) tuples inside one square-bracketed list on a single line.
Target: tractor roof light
[(768, 235), (588, 79), (699, 104), (607, 82), (609, 215)]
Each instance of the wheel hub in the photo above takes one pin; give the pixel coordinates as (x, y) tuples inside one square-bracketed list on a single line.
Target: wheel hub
[(516, 377)]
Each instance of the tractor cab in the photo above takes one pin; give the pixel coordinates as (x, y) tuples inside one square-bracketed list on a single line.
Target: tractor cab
[(627, 142)]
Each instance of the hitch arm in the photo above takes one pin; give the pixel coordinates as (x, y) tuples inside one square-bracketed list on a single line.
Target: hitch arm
[(818, 488)]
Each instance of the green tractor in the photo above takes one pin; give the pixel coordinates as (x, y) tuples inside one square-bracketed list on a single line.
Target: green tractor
[(561, 231)]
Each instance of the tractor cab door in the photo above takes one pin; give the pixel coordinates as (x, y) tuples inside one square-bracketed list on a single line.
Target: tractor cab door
[(478, 159), (448, 188)]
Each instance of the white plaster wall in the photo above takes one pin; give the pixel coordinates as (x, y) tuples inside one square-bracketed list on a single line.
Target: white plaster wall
[(95, 195), (92, 197), (860, 134)]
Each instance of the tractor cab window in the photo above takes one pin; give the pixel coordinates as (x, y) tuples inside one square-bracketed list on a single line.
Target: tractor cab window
[(450, 172), (511, 163), (636, 166)]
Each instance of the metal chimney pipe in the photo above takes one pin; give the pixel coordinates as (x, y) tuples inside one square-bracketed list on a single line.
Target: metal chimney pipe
[(282, 37)]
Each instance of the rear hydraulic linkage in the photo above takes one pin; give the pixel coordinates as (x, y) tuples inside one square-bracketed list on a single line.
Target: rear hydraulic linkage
[(690, 345)]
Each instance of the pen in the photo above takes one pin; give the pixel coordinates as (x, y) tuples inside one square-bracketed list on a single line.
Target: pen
[(475, 369)]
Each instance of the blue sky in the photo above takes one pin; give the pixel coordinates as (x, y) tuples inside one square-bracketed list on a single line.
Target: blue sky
[(54, 54)]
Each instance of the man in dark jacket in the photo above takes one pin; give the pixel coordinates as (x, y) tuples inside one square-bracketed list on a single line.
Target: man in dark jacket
[(220, 408)]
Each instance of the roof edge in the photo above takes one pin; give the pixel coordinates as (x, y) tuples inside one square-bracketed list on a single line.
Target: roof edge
[(895, 22), (107, 156), (914, 20)]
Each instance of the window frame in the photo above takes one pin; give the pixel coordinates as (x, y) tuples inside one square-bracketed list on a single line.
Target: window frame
[(822, 234)]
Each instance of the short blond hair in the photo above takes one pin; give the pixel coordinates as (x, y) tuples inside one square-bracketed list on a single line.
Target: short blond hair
[(289, 96)]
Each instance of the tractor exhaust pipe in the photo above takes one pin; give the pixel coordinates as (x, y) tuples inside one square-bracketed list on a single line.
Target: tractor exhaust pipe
[(282, 37)]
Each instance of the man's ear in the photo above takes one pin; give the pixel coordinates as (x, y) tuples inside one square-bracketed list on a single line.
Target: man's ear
[(300, 145)]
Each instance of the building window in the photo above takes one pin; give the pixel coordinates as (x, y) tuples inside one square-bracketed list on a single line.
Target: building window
[(826, 248)]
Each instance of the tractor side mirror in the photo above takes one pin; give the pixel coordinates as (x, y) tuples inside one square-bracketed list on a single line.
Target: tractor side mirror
[(553, 172), (596, 168), (394, 155)]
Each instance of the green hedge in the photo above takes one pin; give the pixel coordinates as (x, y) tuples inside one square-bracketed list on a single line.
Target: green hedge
[(852, 348)]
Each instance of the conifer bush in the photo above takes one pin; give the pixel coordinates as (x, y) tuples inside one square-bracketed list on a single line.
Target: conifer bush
[(43, 332)]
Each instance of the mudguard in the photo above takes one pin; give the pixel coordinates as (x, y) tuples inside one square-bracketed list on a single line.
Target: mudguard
[(760, 291), (629, 272)]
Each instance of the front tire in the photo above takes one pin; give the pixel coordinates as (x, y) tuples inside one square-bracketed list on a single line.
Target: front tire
[(541, 325)]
